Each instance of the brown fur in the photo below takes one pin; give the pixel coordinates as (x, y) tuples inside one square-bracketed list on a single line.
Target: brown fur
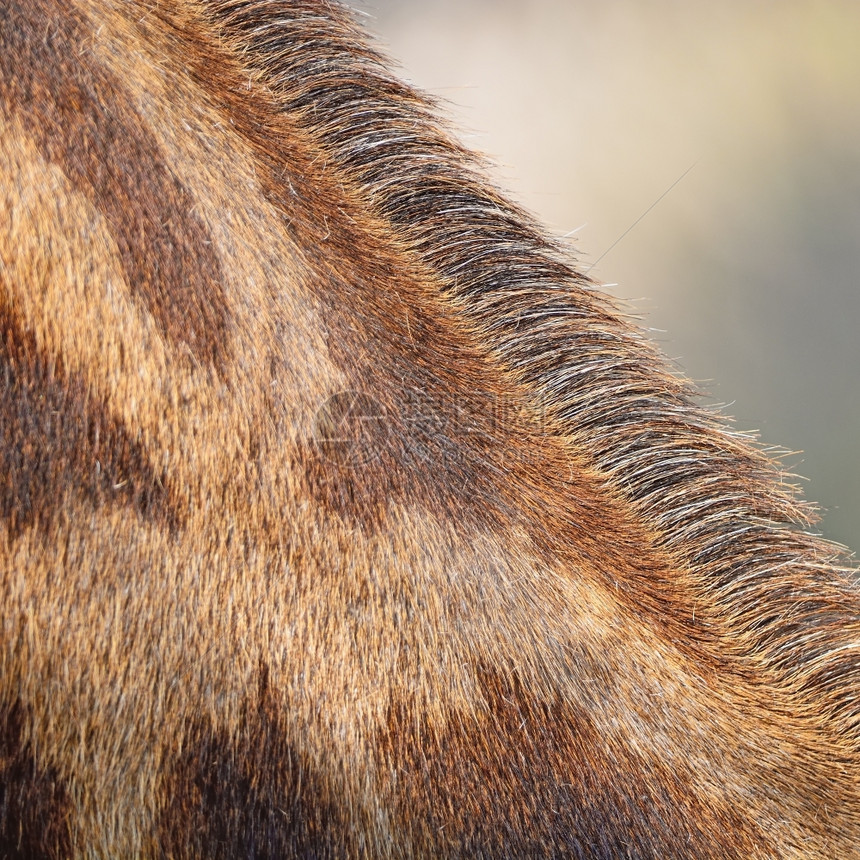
[(534, 603)]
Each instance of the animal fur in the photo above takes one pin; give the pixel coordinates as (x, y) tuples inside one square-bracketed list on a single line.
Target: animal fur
[(341, 516)]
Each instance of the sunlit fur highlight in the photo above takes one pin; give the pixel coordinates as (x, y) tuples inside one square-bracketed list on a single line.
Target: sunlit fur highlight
[(534, 603)]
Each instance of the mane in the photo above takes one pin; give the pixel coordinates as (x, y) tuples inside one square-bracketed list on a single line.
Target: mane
[(717, 502)]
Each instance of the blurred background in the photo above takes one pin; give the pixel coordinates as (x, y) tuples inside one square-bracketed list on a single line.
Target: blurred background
[(732, 130)]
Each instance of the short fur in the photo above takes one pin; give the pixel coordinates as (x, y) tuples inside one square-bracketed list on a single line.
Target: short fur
[(342, 518)]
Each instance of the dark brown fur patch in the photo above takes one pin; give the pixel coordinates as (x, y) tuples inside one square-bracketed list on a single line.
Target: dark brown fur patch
[(250, 794), (526, 778), (86, 125), (35, 815), (59, 440)]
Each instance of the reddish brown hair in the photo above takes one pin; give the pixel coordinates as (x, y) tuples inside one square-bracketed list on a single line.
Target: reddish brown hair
[(342, 517)]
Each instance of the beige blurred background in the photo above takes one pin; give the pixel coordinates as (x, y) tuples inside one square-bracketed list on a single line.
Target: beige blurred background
[(748, 269)]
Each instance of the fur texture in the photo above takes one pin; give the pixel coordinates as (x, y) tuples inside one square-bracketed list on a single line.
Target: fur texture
[(341, 517)]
